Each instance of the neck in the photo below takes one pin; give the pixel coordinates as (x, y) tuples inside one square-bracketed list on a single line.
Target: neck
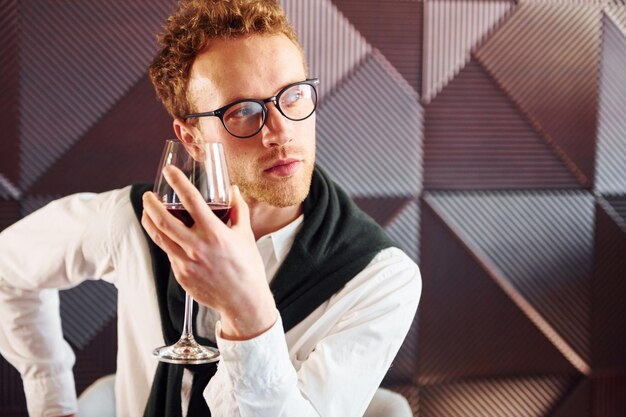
[(266, 219)]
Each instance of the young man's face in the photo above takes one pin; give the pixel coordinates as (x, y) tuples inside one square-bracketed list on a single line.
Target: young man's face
[(275, 165)]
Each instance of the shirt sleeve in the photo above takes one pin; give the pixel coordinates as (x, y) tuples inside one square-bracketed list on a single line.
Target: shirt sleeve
[(56, 247), (365, 325)]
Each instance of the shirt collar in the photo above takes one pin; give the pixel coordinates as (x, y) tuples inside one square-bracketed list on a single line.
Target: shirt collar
[(282, 239)]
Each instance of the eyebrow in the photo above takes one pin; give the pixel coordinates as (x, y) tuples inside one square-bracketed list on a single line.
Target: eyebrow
[(244, 97)]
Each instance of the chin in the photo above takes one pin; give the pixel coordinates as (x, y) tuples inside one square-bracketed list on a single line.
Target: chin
[(288, 193)]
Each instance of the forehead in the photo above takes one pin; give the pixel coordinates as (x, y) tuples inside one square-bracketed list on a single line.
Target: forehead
[(244, 67)]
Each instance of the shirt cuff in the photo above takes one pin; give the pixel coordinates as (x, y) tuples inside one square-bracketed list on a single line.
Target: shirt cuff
[(55, 396), (258, 363)]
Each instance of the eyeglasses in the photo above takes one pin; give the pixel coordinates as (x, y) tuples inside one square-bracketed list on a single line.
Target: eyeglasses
[(245, 118)]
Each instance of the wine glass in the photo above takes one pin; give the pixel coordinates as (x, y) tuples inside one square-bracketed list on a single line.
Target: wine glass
[(205, 166)]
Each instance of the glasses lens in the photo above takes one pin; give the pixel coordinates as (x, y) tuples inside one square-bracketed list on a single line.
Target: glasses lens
[(298, 102), (244, 119)]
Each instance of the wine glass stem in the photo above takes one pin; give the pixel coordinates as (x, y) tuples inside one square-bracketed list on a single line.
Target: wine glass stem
[(187, 323)]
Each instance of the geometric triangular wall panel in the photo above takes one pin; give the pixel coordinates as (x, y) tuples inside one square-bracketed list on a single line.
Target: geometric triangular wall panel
[(453, 29), (539, 246), (476, 138), (376, 112), (332, 46), (616, 10), (9, 213), (65, 90), (532, 396), (404, 229), (609, 396), (382, 210), (9, 92), (86, 309), (12, 398), (611, 152), (559, 97), (133, 130), (609, 292), (394, 28), (462, 305), (576, 402)]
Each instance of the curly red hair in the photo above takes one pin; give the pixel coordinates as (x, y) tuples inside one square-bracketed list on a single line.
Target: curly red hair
[(190, 30)]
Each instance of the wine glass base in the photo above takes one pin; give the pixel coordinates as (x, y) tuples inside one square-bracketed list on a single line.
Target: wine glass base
[(187, 352)]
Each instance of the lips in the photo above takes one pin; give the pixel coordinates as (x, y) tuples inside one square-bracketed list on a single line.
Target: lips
[(284, 167)]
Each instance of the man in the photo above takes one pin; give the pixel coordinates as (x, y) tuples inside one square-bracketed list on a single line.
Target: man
[(311, 299)]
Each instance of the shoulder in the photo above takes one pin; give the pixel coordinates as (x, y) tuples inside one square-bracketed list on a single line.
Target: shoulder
[(391, 275), (110, 211), (393, 263)]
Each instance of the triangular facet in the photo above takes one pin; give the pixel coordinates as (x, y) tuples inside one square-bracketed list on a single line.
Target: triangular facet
[(122, 148), (371, 149), (86, 309), (333, 47), (538, 245), (9, 90), (618, 204), (476, 138), (609, 395), (68, 85), (8, 190), (531, 58), (530, 396), (13, 398), (576, 402), (609, 292), (9, 213), (611, 148), (469, 326), (617, 12), (460, 26), (404, 229), (394, 28), (382, 210)]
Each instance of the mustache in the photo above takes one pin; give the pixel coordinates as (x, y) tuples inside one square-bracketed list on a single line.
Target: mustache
[(283, 152)]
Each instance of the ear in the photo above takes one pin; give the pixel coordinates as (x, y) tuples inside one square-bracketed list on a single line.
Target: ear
[(185, 132)]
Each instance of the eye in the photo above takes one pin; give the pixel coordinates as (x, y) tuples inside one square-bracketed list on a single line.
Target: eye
[(294, 95), (243, 110)]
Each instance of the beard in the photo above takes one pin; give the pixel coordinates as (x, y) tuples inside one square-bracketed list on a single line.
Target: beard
[(276, 192)]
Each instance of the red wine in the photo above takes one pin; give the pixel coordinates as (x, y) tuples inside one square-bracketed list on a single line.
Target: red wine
[(221, 211), (177, 210)]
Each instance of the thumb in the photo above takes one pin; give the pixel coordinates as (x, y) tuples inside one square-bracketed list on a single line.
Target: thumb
[(239, 211)]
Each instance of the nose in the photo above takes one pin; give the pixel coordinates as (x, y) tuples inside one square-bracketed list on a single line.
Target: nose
[(277, 129)]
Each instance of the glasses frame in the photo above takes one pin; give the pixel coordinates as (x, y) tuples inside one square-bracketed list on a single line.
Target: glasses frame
[(274, 99)]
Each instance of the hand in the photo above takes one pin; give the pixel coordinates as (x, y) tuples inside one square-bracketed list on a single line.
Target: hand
[(219, 266)]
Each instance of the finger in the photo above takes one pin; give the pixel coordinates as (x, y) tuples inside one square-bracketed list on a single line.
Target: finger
[(191, 198), (163, 222), (239, 211), (160, 239)]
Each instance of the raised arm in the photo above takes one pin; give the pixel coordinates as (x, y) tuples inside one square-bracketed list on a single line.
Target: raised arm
[(56, 247)]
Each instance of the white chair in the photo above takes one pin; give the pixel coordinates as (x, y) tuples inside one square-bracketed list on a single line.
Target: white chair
[(387, 403), (98, 400)]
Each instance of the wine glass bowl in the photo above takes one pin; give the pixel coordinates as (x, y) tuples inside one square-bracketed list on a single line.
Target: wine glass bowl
[(204, 165)]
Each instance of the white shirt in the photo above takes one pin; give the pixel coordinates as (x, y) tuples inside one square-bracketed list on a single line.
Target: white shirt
[(328, 365)]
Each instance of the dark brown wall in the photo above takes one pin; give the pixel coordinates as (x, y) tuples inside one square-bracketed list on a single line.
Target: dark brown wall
[(488, 137)]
